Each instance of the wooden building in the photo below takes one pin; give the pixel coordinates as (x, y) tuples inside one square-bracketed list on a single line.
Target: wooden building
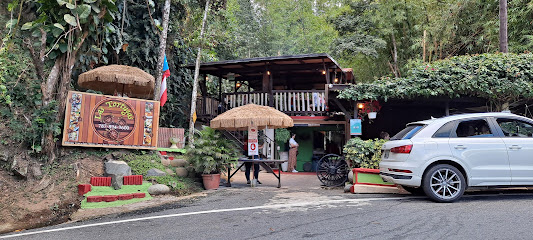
[(302, 86)]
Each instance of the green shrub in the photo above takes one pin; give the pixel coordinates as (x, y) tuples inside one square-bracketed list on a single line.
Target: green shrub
[(364, 154), (211, 153), (497, 78), (282, 135)]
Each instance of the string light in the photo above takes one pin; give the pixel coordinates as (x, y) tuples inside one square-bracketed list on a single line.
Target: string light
[(323, 72), (360, 106), (268, 72), (336, 80), (238, 85)]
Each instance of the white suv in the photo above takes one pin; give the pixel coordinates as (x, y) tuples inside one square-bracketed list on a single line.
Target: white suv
[(442, 157)]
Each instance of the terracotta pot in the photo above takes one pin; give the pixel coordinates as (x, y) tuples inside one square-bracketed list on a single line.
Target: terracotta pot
[(211, 181)]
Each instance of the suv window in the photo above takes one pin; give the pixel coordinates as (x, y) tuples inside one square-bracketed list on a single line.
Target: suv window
[(408, 132), (515, 128), (474, 128), (444, 131)]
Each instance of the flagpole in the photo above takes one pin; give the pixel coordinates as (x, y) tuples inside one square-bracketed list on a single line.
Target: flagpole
[(162, 47)]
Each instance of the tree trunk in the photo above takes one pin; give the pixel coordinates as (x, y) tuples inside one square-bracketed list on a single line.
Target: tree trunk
[(504, 46), (195, 83), (48, 142), (424, 47), (162, 47), (396, 70)]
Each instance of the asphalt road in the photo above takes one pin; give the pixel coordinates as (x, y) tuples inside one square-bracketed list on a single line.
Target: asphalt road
[(271, 213)]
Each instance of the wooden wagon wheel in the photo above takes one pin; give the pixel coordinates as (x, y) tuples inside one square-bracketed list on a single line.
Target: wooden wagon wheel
[(332, 170)]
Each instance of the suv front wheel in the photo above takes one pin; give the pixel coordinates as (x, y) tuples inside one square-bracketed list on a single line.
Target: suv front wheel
[(444, 183)]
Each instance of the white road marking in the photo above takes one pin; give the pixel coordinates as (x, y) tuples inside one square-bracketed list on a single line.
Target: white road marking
[(276, 206)]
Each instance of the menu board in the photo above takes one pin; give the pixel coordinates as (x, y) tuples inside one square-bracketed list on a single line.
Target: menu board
[(93, 120)]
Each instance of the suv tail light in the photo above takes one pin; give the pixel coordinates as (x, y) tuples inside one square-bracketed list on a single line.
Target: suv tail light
[(402, 149)]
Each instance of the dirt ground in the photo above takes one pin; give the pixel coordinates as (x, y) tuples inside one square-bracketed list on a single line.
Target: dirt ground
[(51, 198)]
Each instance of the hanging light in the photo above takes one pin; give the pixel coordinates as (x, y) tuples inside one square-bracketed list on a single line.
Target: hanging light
[(323, 72), (336, 80), (268, 72), (360, 105)]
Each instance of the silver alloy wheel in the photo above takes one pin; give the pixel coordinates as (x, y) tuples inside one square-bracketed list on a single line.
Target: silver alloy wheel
[(445, 183)]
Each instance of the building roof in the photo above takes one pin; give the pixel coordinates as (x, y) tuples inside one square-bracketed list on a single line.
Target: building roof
[(291, 69)]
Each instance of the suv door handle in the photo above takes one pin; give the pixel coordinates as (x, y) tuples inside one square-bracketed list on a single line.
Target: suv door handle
[(460, 147), (515, 147)]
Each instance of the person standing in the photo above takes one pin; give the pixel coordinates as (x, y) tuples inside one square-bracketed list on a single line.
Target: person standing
[(293, 153)]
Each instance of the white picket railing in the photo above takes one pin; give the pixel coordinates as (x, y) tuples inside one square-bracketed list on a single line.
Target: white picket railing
[(300, 101), (241, 99), (284, 100)]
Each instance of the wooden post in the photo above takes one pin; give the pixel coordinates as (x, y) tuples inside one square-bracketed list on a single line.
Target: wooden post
[(270, 89), (327, 72)]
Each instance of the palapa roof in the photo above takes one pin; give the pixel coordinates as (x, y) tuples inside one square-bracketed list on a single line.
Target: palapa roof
[(241, 118), (131, 81)]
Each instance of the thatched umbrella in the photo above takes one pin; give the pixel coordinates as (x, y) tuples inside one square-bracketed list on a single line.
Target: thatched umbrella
[(241, 118), (111, 79)]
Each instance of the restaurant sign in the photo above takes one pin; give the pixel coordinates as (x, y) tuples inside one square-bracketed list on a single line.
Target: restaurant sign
[(93, 120)]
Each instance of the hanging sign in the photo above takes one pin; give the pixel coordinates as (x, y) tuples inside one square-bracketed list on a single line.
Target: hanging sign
[(253, 148), (93, 120), (355, 127)]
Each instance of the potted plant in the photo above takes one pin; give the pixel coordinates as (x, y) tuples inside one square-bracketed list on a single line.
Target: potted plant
[(210, 155), (282, 135), (173, 140), (364, 156), (370, 108)]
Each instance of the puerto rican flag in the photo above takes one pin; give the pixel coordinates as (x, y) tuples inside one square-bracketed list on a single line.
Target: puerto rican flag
[(163, 91)]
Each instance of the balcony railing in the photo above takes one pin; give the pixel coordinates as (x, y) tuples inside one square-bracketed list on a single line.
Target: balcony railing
[(288, 101), (302, 101)]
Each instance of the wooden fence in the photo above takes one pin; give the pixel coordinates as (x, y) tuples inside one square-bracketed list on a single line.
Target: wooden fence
[(166, 133)]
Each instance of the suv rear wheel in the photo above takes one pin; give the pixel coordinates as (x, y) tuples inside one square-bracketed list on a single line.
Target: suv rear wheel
[(443, 183)]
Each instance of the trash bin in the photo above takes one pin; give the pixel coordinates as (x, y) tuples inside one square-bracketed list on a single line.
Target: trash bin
[(308, 167), (314, 161)]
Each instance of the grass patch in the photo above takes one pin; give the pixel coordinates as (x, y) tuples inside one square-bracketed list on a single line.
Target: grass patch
[(140, 164), (101, 191)]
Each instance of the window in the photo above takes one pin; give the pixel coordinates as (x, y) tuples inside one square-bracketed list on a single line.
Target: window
[(444, 131), (474, 128), (408, 132), (515, 128)]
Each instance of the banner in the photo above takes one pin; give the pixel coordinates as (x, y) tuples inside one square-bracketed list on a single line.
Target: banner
[(253, 148), (355, 127), (93, 120)]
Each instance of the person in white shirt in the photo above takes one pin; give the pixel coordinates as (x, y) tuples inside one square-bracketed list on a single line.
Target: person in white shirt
[(293, 153)]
